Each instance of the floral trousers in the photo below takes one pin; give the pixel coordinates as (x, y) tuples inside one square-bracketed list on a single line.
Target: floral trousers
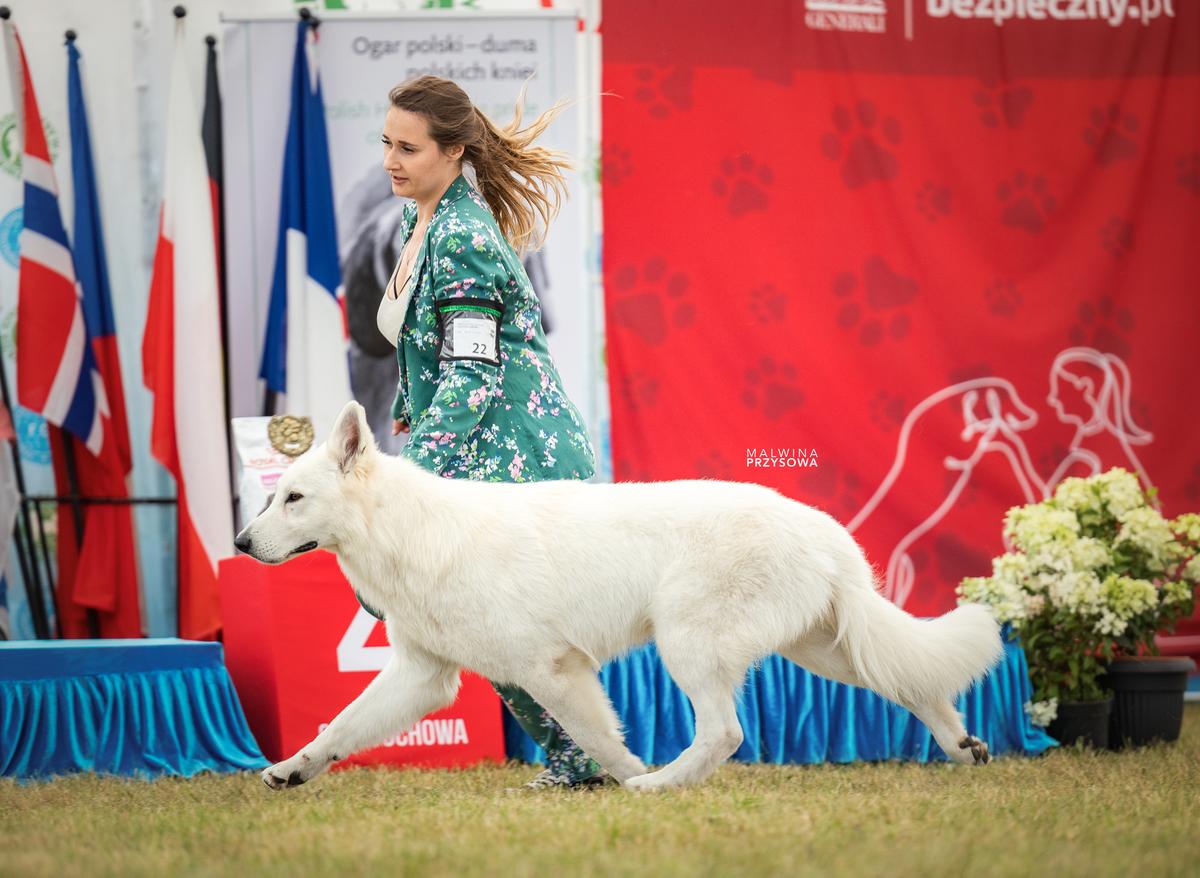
[(565, 760)]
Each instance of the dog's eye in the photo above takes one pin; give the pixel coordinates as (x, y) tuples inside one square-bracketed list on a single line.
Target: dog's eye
[(293, 497)]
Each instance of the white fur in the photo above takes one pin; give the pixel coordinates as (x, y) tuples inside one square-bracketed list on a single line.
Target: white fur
[(538, 584)]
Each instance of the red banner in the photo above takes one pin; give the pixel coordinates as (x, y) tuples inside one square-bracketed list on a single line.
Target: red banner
[(299, 649), (907, 262)]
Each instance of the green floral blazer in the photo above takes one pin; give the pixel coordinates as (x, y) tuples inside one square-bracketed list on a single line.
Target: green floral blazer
[(477, 384)]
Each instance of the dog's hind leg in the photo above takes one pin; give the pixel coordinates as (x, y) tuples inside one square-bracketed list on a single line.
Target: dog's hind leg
[(817, 653), (710, 684), (945, 723), (572, 693)]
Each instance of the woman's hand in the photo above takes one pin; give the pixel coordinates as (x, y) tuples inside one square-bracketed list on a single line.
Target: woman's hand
[(399, 427)]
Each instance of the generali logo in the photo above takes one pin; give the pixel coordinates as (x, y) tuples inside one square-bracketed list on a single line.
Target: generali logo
[(856, 16)]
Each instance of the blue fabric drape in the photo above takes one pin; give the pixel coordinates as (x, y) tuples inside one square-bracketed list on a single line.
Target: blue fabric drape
[(141, 707), (791, 715)]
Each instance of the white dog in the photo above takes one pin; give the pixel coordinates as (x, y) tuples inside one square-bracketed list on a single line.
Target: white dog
[(537, 584)]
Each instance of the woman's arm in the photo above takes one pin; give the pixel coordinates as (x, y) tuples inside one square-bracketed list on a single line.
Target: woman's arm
[(467, 275)]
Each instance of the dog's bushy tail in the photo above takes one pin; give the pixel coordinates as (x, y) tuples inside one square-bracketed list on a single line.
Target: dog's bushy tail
[(910, 660)]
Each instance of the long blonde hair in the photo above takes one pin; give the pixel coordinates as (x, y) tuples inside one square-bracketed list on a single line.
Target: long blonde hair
[(522, 183)]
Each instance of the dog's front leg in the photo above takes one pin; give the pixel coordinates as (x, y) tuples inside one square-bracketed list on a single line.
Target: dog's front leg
[(409, 687)]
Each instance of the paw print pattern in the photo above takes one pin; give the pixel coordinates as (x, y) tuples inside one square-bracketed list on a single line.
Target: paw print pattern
[(1191, 487), (1026, 203), (664, 92), (860, 142), (653, 302), (1002, 103), (1141, 414), (1103, 326), (1117, 236), (1187, 172), (768, 304), (715, 465), (742, 185), (887, 411), (885, 290), (1003, 298), (638, 390), (1110, 133), (838, 490), (616, 164), (773, 388), (933, 201)]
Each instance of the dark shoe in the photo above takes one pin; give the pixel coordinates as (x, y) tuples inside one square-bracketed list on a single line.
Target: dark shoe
[(549, 780)]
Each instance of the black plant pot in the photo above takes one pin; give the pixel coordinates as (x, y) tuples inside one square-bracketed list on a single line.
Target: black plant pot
[(1085, 721), (1147, 699)]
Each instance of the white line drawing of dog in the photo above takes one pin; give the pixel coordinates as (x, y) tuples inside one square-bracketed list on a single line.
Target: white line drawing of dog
[(537, 584), (993, 416), (1088, 389)]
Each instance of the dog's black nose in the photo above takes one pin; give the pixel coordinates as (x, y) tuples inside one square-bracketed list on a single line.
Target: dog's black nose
[(242, 543)]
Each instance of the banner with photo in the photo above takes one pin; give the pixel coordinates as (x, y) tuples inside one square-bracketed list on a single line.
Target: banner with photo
[(360, 58)]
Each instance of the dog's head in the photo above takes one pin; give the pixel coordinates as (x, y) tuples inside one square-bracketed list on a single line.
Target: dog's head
[(315, 495)]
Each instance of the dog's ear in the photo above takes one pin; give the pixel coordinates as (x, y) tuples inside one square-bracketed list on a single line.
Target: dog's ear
[(351, 438)]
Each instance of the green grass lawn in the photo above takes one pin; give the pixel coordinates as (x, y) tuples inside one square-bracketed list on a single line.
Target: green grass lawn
[(1067, 813)]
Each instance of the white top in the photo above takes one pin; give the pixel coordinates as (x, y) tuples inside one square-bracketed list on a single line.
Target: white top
[(390, 316)]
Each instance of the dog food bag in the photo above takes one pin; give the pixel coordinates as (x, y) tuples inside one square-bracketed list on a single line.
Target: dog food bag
[(266, 447)]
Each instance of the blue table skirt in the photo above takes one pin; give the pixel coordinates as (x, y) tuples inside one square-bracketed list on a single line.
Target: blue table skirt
[(130, 707), (791, 715)]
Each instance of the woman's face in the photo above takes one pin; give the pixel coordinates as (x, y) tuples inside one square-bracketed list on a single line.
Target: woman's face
[(419, 168)]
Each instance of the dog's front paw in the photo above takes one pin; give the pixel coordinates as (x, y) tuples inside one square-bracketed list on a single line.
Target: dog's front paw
[(979, 749), (291, 773)]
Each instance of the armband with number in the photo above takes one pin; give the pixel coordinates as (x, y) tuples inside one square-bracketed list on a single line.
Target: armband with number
[(470, 329)]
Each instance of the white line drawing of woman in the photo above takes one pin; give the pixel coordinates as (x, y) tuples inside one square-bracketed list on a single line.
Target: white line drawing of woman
[(993, 414), (1091, 389), (1088, 388)]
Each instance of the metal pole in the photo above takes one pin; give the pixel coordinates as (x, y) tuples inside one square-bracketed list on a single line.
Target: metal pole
[(68, 442), (33, 583)]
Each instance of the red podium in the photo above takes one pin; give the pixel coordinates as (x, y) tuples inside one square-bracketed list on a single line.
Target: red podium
[(300, 648)]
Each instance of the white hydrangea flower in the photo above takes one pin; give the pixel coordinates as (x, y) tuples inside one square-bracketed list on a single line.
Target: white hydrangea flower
[(1126, 597), (1079, 592), (1088, 553), (1011, 567), (1149, 531), (1034, 527), (1076, 495), (1177, 592), (1188, 524), (1192, 571), (1042, 713), (1121, 491)]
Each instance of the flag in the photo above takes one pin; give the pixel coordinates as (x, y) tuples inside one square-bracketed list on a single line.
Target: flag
[(210, 132), (305, 352), (182, 360), (57, 374), (102, 574)]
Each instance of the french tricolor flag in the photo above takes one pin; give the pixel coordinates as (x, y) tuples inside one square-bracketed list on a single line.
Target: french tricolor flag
[(305, 353), (56, 365)]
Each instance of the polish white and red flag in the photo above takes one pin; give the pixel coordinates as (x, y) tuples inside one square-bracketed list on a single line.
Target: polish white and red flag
[(182, 360)]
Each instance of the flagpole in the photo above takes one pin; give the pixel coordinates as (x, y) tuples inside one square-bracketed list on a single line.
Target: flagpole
[(26, 554), (270, 397), (73, 491), (217, 162)]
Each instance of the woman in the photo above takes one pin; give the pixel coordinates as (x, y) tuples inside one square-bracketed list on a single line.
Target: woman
[(478, 388)]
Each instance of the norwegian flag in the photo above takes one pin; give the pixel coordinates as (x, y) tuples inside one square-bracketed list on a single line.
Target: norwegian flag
[(56, 366)]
